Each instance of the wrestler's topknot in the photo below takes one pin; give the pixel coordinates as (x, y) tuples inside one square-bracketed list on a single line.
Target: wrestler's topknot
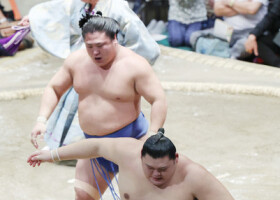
[(84, 20), (160, 135), (87, 17), (98, 23)]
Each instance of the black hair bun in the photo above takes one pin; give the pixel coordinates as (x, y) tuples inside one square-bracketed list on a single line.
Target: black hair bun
[(99, 13), (159, 135), (84, 20), (161, 130)]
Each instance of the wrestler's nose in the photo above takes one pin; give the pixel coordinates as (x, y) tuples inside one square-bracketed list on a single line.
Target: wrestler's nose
[(96, 51), (156, 173)]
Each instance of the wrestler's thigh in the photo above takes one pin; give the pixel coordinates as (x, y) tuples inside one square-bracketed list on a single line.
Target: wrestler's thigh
[(84, 173)]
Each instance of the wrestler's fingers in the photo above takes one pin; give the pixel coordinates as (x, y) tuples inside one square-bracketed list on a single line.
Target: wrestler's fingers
[(34, 163), (42, 157), (31, 162), (34, 139), (41, 136), (35, 158), (32, 155)]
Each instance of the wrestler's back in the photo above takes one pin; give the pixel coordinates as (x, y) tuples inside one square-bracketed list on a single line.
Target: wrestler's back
[(107, 98)]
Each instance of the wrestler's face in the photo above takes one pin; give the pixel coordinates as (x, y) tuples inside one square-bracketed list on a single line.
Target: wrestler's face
[(101, 48), (159, 171)]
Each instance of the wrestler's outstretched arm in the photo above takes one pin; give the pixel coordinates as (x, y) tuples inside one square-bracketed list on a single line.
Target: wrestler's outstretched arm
[(109, 148)]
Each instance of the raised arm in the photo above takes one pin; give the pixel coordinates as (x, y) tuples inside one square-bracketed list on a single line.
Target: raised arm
[(60, 82), (205, 186), (148, 85)]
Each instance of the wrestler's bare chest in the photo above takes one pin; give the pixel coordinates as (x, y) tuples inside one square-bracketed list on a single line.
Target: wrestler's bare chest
[(115, 83), (141, 192), (107, 99), (135, 186)]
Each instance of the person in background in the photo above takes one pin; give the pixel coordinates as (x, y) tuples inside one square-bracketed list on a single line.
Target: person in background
[(54, 25), (7, 21), (3, 18), (184, 18), (242, 16), (6, 12), (150, 170), (264, 39)]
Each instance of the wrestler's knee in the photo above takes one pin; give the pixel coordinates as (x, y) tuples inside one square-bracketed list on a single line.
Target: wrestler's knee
[(85, 191), (82, 195)]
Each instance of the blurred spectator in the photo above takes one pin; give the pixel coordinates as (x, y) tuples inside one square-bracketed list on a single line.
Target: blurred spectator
[(6, 14), (7, 33), (3, 18), (264, 39), (184, 18), (211, 17), (242, 15)]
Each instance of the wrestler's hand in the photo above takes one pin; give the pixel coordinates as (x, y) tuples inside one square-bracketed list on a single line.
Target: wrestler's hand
[(39, 129), (38, 157), (24, 21)]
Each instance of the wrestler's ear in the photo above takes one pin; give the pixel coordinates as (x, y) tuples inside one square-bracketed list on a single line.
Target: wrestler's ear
[(115, 39), (176, 157)]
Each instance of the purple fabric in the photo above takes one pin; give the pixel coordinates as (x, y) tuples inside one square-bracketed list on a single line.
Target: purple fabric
[(9, 45), (179, 34)]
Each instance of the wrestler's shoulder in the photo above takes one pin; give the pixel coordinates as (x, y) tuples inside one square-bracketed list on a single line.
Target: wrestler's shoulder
[(132, 59), (194, 171), (76, 57), (123, 144)]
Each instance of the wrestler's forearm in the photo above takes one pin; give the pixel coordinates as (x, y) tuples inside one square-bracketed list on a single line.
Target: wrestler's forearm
[(48, 102), (158, 114), (84, 149)]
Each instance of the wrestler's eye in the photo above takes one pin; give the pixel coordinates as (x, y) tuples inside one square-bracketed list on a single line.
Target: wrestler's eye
[(162, 169), (89, 46), (99, 45)]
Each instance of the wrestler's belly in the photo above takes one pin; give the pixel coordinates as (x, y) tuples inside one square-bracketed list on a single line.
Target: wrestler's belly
[(106, 117)]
